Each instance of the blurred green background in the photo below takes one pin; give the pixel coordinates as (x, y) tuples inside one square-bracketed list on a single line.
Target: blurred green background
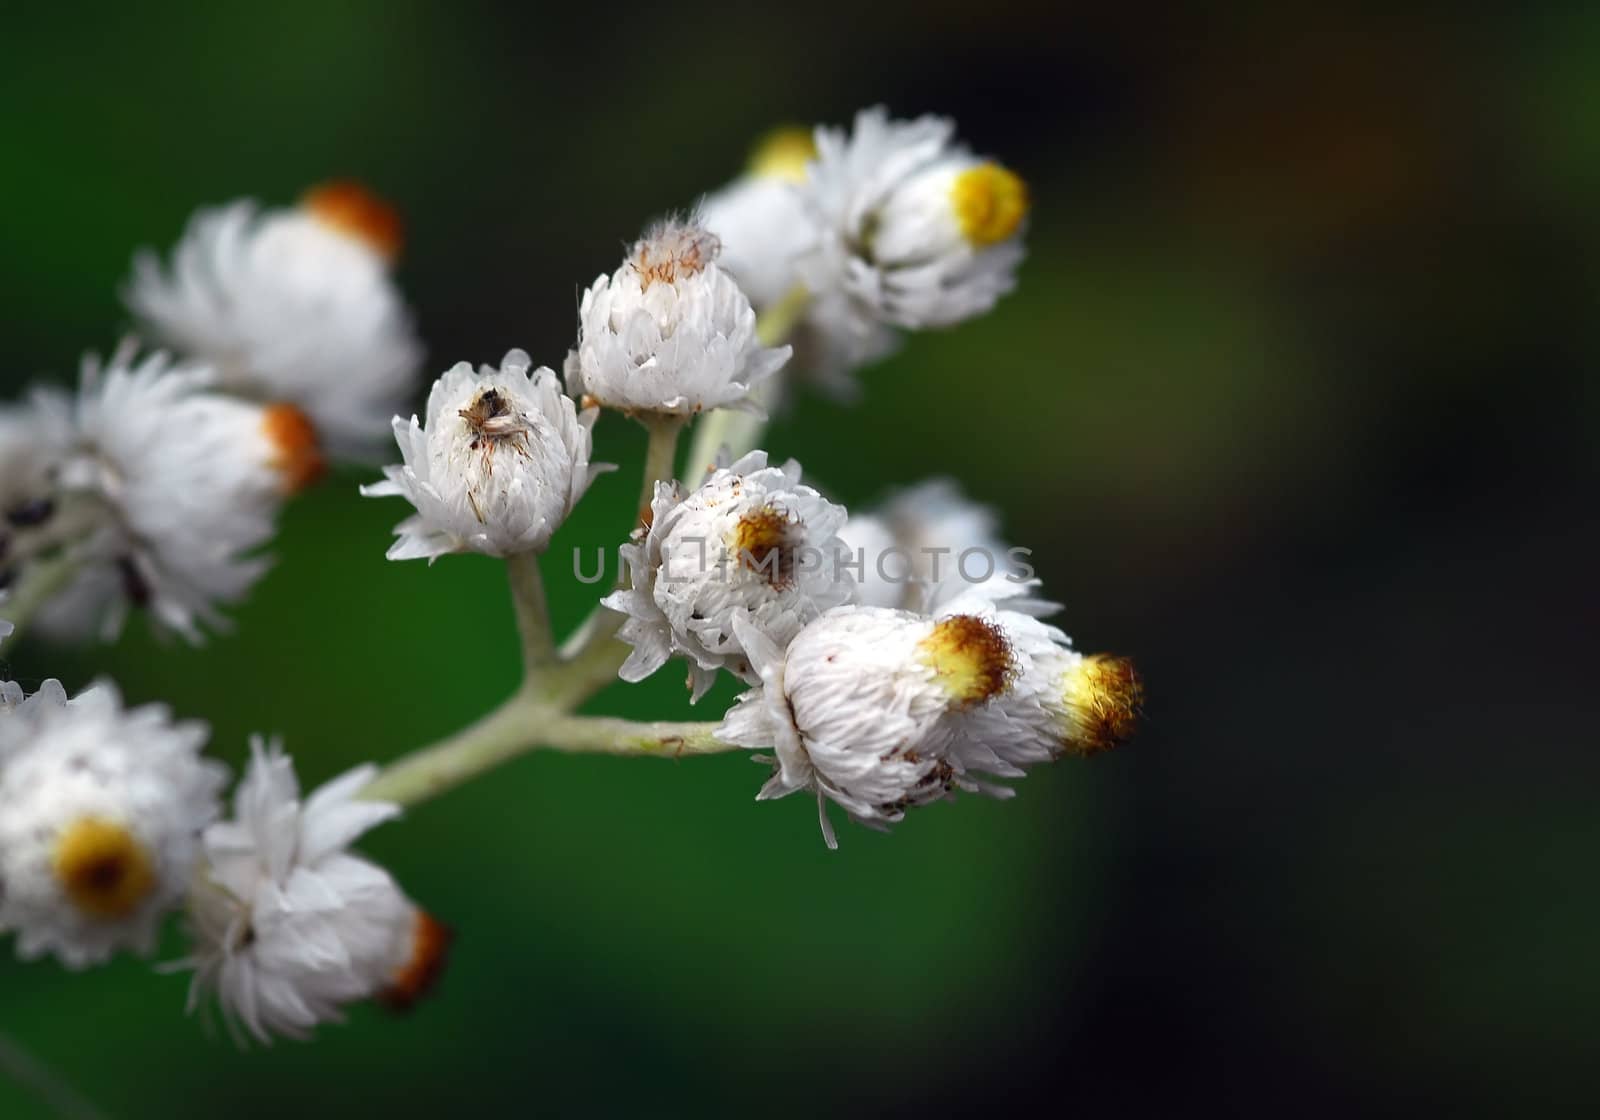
[(1296, 402)]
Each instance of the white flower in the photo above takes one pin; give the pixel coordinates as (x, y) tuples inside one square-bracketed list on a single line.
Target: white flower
[(292, 305), (750, 543), (501, 462), (758, 218), (11, 695), (34, 439), (915, 231), (924, 546), (669, 332), (186, 482), (855, 708), (100, 814), (1059, 701), (288, 926)]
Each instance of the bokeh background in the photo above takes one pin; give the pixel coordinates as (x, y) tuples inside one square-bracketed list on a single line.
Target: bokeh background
[(1296, 402)]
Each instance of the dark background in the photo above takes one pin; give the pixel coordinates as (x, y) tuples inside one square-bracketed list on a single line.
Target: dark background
[(1295, 402)]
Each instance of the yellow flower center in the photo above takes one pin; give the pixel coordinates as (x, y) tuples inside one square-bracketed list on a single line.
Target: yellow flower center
[(970, 658), (783, 154), (990, 203), (1103, 695), (356, 212), (296, 455), (104, 870), (764, 541)]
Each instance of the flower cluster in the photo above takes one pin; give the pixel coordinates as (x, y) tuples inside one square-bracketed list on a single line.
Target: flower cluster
[(158, 481), (887, 660)]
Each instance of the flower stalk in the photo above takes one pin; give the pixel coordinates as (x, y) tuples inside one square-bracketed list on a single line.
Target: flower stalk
[(526, 723)]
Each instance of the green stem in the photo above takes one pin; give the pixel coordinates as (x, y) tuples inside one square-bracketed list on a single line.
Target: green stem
[(533, 611), (553, 685), (660, 458), (40, 581), (524, 724)]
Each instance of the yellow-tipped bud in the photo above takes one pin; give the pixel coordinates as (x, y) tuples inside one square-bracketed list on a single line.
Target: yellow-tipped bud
[(970, 658), (783, 154), (990, 203), (1102, 696), (103, 869)]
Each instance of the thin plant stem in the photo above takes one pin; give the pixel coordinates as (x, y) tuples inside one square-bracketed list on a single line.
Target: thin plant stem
[(533, 611), (593, 646), (521, 725), (32, 1074), (40, 581)]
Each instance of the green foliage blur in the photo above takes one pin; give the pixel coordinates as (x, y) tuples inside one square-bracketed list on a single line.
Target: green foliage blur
[(1295, 402)]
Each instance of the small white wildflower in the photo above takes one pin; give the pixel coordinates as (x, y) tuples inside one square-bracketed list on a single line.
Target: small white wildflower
[(501, 462), (100, 814), (293, 305), (766, 230), (187, 483), (758, 218), (925, 546), (749, 543), (35, 437), (855, 707), (914, 230), (669, 332), (1059, 702), (288, 926)]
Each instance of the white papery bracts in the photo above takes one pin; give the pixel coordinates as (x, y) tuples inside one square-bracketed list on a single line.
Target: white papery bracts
[(758, 218), (750, 544), (100, 814), (855, 707), (165, 493), (670, 332), (913, 230), (927, 545), (288, 926), (293, 305), (1064, 702), (502, 460), (883, 710)]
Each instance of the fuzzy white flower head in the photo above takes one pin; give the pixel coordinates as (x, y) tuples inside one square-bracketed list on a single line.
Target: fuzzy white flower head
[(501, 462), (288, 926), (915, 231), (855, 707), (926, 545), (292, 305), (669, 332), (100, 815), (35, 437), (181, 485), (766, 230), (1057, 702), (758, 218), (750, 543)]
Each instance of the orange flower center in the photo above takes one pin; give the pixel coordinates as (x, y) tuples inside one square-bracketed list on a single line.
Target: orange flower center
[(350, 208), (297, 457)]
